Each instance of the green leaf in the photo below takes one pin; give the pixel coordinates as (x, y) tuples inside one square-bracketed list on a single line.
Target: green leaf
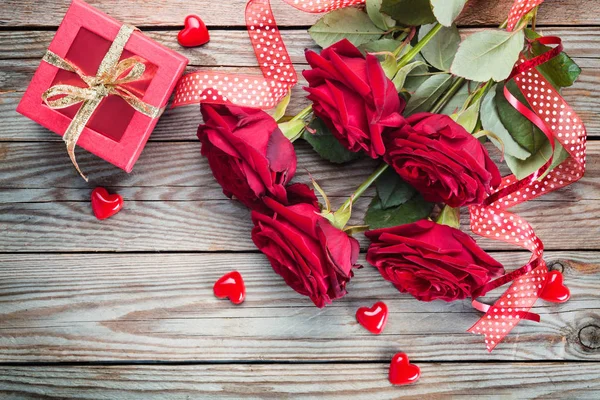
[(561, 71), (380, 46), (469, 117), (409, 12), (413, 210), (524, 168), (441, 49), (417, 76), (392, 190), (292, 129), (326, 145), (490, 54), (449, 216), (340, 218), (529, 136), (380, 20), (349, 23), (428, 93), (491, 122), (389, 66), (279, 111), (446, 11), (400, 78), (458, 100)]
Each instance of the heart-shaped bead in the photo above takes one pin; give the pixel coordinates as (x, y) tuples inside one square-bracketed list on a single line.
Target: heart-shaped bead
[(231, 285), (402, 372), (105, 205), (194, 33), (555, 291), (373, 319)]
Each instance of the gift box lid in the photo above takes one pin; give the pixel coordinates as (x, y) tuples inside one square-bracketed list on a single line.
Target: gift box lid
[(116, 132)]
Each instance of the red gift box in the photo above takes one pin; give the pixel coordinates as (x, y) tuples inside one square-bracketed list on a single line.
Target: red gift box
[(115, 132)]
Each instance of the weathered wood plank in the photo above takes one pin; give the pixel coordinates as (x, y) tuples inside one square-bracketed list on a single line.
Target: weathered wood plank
[(226, 47), (173, 203), (306, 381), (45, 169), (223, 225), (86, 307), (152, 13), (232, 48), (181, 123), (46, 166)]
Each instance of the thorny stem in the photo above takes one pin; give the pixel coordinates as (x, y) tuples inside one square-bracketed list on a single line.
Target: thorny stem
[(439, 105)]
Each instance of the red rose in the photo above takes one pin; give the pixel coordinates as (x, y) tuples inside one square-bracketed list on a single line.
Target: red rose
[(352, 95), (431, 261), (441, 160), (247, 153), (313, 257)]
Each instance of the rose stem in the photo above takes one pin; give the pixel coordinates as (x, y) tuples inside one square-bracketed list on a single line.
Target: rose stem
[(303, 114), (419, 46), (439, 105), (365, 185)]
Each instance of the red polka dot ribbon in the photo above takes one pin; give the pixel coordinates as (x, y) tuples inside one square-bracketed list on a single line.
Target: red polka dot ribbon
[(559, 122), (518, 10), (278, 73)]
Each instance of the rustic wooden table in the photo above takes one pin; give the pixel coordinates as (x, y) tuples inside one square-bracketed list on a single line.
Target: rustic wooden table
[(123, 309)]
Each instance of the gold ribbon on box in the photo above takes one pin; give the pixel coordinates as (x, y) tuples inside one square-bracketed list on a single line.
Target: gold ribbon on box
[(111, 75)]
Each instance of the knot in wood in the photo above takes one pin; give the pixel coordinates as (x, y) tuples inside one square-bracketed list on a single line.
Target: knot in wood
[(557, 266), (589, 337)]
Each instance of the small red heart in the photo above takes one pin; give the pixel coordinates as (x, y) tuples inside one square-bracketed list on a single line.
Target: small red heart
[(105, 205), (231, 285), (374, 318), (194, 33), (402, 372), (555, 291)]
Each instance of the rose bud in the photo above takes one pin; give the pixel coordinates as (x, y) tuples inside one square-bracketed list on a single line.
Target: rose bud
[(352, 95), (431, 261), (247, 153), (313, 257), (441, 160)]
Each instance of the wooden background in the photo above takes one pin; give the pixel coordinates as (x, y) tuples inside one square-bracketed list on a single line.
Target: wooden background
[(123, 309)]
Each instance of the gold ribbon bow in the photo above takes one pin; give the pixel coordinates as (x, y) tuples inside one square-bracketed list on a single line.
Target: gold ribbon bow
[(111, 75)]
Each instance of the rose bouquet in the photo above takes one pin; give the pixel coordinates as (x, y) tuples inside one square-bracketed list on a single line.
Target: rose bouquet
[(396, 82)]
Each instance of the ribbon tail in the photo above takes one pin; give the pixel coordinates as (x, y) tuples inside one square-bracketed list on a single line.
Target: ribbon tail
[(551, 113), (76, 127), (513, 306)]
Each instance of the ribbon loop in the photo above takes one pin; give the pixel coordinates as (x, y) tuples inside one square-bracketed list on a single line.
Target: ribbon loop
[(559, 122), (278, 73), (111, 75)]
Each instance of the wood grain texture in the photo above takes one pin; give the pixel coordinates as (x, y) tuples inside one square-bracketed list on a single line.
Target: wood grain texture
[(307, 381), (173, 203), (44, 168), (86, 307), (62, 302), (152, 13), (17, 67), (223, 225), (229, 48)]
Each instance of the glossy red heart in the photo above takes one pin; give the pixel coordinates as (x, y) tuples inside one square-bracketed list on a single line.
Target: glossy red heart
[(402, 372), (373, 319), (231, 286), (105, 205), (194, 33), (555, 291)]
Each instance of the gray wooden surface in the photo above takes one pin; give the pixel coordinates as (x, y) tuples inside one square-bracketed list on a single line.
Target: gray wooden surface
[(123, 309)]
